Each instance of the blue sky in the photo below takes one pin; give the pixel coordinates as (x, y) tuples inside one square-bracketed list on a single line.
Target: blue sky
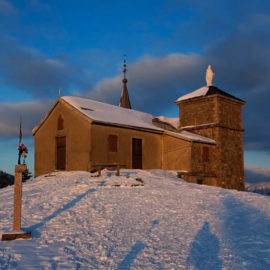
[(79, 46)]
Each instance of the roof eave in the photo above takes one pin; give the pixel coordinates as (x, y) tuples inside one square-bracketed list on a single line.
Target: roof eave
[(37, 127), (237, 100), (160, 131), (185, 138)]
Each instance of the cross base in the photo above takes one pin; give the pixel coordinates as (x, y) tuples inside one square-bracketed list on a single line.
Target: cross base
[(9, 236)]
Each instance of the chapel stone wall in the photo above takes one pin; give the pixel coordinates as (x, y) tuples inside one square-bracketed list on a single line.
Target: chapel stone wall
[(176, 153), (220, 118), (100, 154)]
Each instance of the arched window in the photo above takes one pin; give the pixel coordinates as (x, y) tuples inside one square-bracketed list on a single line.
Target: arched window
[(60, 123)]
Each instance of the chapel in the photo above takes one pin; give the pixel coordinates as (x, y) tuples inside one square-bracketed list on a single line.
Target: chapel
[(204, 144)]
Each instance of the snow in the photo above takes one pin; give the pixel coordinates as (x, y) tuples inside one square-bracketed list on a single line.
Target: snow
[(174, 121), (201, 125), (115, 115), (107, 113), (80, 221), (191, 136), (197, 93)]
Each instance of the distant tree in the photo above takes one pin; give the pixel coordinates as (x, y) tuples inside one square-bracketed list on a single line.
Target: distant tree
[(6, 179), (26, 175)]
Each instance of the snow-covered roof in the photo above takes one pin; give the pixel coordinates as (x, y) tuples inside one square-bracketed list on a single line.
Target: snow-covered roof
[(115, 115), (107, 113), (174, 121), (191, 136), (207, 91), (197, 93)]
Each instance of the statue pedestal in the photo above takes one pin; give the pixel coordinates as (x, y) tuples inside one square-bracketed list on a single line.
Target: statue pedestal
[(17, 233)]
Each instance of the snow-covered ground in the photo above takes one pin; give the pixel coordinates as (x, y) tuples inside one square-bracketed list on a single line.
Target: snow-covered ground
[(156, 221)]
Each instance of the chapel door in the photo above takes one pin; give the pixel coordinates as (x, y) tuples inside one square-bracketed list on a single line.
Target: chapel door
[(136, 153), (60, 153)]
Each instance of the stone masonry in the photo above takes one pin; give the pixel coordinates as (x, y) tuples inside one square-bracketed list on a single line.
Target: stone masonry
[(218, 117)]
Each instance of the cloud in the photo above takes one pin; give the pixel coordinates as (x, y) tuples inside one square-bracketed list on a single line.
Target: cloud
[(31, 113), (256, 174), (154, 83), (29, 70), (240, 60), (6, 7), (242, 64)]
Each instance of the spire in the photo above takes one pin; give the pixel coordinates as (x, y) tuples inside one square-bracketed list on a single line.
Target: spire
[(124, 100)]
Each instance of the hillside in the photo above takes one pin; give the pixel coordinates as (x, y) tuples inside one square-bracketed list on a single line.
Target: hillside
[(81, 221)]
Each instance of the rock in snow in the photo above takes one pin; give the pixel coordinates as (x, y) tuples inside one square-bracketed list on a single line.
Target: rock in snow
[(140, 220)]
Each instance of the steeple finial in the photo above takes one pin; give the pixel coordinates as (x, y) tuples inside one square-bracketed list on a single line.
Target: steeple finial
[(125, 67), (124, 100)]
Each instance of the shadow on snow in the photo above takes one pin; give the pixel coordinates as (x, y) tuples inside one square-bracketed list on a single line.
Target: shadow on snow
[(131, 256), (247, 231), (135, 250), (67, 206), (204, 250)]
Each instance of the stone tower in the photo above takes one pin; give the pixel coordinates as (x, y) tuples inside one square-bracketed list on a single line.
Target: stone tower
[(216, 114)]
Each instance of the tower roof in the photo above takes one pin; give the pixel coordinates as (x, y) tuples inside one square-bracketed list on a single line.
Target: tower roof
[(206, 91), (124, 100)]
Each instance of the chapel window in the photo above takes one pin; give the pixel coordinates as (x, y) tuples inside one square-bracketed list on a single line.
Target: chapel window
[(60, 123), (112, 143), (205, 154)]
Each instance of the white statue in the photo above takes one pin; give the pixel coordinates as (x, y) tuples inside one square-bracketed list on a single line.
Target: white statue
[(209, 76)]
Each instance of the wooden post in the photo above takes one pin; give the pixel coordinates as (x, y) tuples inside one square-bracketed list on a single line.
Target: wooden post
[(19, 169), (117, 170), (17, 210), (99, 171)]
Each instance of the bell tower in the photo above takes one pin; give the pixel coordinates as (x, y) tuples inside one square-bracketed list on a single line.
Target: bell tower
[(216, 114)]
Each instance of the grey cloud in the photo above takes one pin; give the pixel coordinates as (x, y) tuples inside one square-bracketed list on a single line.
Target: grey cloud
[(31, 71), (240, 61), (31, 113), (154, 83), (107, 90)]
